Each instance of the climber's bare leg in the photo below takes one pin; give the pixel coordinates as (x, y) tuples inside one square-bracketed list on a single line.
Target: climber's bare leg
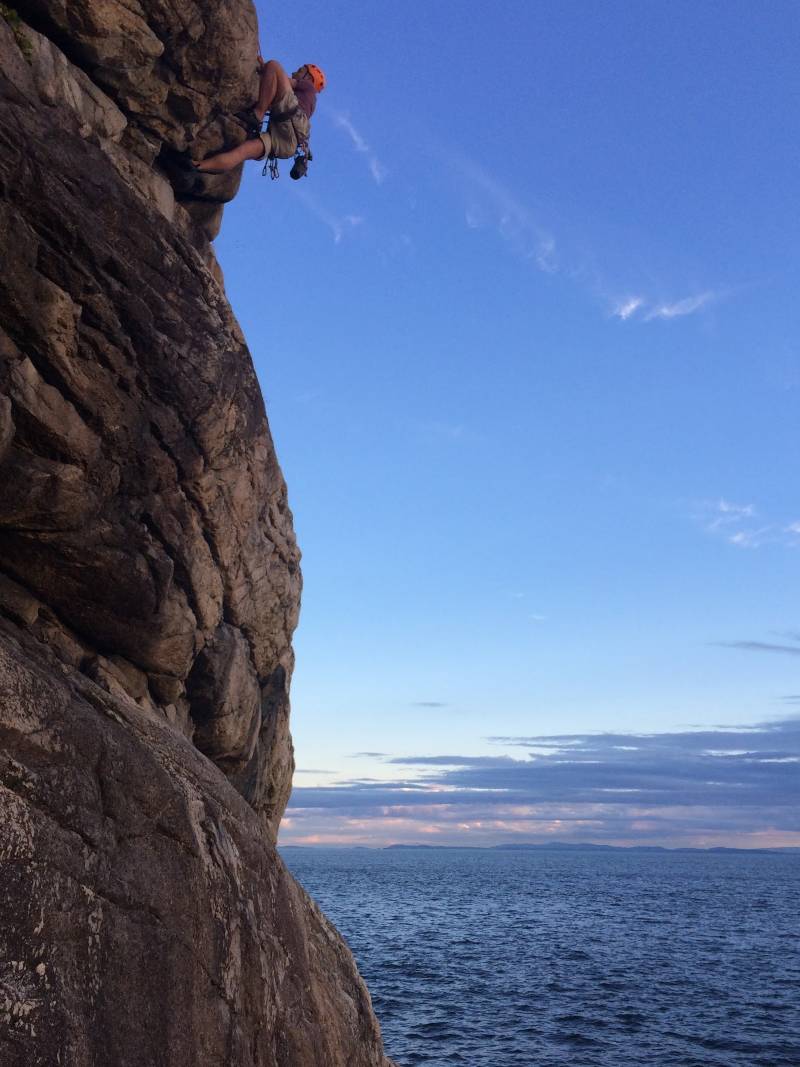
[(275, 82), (218, 164)]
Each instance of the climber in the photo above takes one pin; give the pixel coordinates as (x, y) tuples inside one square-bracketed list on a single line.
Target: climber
[(290, 103)]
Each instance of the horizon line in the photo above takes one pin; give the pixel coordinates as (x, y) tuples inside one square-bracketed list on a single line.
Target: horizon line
[(557, 845)]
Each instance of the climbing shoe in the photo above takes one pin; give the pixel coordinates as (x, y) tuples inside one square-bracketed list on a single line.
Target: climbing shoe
[(182, 173)]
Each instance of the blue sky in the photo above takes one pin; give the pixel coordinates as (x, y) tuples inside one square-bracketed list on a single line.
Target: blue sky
[(528, 336)]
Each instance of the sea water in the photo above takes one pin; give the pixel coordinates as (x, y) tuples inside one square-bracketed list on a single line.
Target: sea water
[(593, 959)]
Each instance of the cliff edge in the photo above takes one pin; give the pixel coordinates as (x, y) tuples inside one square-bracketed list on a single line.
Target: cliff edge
[(149, 577)]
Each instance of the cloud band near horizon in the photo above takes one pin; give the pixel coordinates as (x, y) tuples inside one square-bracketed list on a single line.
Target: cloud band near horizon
[(712, 786)]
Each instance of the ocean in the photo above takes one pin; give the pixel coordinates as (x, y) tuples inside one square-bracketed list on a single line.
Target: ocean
[(592, 959)]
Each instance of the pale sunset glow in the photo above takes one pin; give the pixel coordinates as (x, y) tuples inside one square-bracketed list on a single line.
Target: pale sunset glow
[(539, 423)]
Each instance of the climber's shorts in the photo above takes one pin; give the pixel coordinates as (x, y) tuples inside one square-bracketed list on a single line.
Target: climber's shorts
[(281, 138)]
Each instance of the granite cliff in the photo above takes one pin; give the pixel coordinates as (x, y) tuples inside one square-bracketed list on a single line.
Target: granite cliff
[(149, 576)]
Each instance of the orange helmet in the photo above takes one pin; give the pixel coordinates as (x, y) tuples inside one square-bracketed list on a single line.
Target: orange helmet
[(317, 76)]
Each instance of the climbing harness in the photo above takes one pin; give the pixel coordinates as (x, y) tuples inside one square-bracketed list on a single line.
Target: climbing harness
[(283, 116), (302, 155), (251, 122)]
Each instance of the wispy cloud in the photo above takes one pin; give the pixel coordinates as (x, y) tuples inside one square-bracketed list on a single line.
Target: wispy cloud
[(644, 309), (715, 785), (452, 431), (627, 307), (742, 526), (546, 255), (473, 218), (726, 512), (751, 538), (764, 646), (491, 205), (687, 306), (376, 168), (429, 704), (339, 225)]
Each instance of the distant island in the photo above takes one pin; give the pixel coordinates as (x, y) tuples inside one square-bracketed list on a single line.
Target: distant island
[(549, 846), (565, 846)]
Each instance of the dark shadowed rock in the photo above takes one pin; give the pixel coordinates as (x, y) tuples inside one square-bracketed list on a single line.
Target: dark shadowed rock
[(225, 698), (149, 579), (146, 918)]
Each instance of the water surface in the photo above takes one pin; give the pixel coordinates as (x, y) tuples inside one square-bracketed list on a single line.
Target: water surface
[(532, 959)]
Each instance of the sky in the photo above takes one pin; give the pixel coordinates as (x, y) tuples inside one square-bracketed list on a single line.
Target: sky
[(528, 339)]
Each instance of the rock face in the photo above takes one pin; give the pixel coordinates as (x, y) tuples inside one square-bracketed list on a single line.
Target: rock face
[(146, 919), (149, 578)]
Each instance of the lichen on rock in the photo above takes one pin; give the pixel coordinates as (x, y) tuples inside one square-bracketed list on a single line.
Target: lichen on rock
[(11, 16)]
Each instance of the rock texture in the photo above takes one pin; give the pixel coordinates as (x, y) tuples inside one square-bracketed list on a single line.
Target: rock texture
[(149, 578), (143, 80), (142, 505), (146, 919)]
